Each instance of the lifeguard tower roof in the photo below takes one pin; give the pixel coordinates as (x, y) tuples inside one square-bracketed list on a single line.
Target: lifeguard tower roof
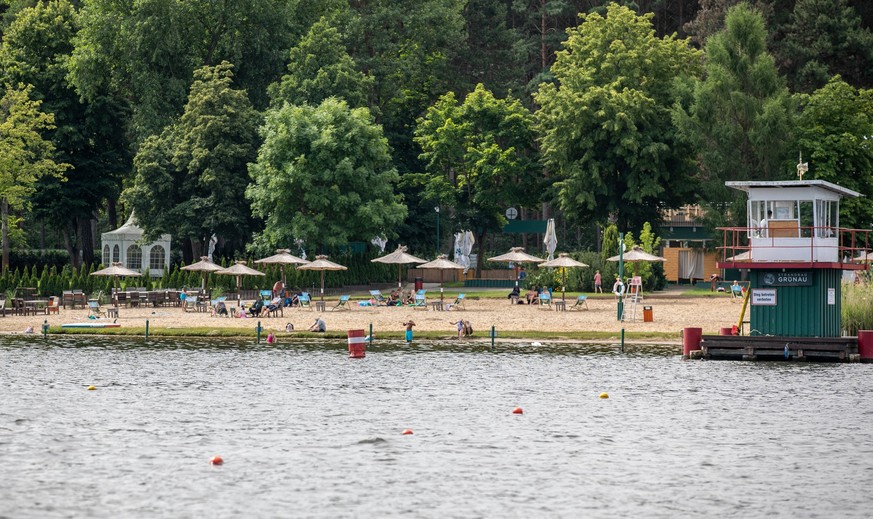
[(748, 185)]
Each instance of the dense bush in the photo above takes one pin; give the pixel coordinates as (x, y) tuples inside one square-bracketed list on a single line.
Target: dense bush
[(52, 280)]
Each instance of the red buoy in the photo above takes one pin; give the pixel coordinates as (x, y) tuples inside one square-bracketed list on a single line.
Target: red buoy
[(357, 344), (216, 460), (407, 431), (518, 410)]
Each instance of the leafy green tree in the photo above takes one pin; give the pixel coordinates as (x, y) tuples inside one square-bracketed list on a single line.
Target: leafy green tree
[(835, 129), (89, 136), (190, 179), (609, 243), (825, 37), (479, 159), (324, 176), (145, 52), (605, 127), (408, 47), (740, 117), (319, 67), (25, 155)]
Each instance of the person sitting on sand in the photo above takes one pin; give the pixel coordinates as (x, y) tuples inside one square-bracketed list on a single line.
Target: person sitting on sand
[(318, 326), (515, 293), (289, 327), (409, 324)]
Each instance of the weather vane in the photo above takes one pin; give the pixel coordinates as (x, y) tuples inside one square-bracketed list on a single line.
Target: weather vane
[(802, 167)]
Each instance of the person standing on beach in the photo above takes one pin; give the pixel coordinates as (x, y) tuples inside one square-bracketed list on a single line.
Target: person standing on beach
[(409, 324), (598, 283), (460, 324)]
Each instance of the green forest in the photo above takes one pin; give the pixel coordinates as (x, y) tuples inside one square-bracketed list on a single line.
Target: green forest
[(314, 125)]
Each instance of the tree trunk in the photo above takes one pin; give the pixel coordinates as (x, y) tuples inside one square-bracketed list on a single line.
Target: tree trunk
[(480, 255), (112, 212), (4, 232), (70, 245), (87, 245)]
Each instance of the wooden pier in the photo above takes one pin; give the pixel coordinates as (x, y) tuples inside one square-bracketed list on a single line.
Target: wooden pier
[(729, 347)]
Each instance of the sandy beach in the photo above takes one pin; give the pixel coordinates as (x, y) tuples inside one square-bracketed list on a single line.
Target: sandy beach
[(671, 313)]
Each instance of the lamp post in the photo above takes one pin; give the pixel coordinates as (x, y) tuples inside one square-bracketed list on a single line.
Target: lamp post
[(437, 209), (620, 273)]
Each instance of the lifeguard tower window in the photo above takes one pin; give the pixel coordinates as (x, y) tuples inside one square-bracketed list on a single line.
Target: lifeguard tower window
[(793, 218)]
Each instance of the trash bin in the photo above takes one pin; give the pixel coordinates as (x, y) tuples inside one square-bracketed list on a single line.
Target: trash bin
[(419, 283), (647, 314)]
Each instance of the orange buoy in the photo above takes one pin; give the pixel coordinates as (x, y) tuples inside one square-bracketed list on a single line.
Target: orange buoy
[(216, 460), (518, 410), (407, 431)]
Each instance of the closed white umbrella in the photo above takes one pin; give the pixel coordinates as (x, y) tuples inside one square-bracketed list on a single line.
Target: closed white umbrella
[(322, 263), (551, 239)]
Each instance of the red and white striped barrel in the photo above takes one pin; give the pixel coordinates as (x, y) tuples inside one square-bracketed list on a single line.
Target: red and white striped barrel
[(357, 344)]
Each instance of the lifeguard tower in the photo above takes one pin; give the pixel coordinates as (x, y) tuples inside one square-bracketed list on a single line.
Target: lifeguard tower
[(795, 252)]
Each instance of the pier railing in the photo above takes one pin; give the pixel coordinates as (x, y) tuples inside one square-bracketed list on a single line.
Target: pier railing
[(744, 247)]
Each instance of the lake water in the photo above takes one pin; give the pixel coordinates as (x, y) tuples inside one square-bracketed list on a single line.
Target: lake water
[(307, 432)]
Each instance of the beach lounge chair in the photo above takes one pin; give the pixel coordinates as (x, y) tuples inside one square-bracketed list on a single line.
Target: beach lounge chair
[(218, 305), (54, 306), (305, 301), (420, 301), (580, 302), (377, 296), (275, 312), (95, 310), (736, 293), (457, 304), (545, 299), (342, 304)]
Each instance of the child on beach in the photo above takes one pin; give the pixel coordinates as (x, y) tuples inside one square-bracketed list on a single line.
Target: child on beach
[(465, 329), (409, 324)]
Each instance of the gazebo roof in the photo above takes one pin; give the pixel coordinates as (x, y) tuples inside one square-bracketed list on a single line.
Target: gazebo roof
[(130, 231)]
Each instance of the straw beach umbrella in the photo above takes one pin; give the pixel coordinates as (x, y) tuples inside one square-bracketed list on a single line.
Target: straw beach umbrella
[(322, 263), (563, 262), (282, 257), (116, 270), (635, 255), (205, 265), (400, 257), (443, 264), (517, 255), (239, 269)]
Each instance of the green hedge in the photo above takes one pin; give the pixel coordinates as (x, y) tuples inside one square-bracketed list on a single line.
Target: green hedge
[(52, 280)]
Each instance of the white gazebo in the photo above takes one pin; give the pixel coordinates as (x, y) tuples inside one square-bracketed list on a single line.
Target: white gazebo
[(123, 245)]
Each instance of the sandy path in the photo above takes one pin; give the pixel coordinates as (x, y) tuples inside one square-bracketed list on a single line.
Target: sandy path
[(671, 314)]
